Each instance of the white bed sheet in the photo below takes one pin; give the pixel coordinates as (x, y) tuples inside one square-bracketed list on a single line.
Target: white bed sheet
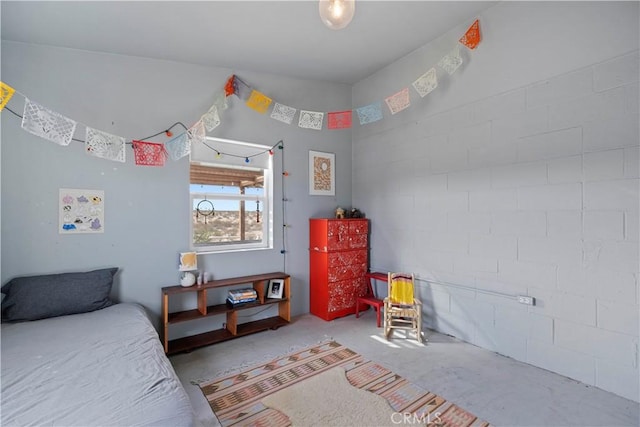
[(104, 368)]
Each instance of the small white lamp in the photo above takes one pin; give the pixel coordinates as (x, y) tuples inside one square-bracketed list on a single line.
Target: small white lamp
[(337, 14)]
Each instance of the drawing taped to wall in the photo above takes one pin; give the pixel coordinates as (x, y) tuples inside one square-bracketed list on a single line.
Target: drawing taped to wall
[(322, 174), (80, 211)]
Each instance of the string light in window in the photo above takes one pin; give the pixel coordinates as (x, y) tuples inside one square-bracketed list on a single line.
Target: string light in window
[(247, 159)]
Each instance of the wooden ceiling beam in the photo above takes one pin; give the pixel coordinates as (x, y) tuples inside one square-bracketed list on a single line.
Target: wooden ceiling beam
[(223, 176)]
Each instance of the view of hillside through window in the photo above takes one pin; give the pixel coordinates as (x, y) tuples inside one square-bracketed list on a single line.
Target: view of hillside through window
[(223, 224)]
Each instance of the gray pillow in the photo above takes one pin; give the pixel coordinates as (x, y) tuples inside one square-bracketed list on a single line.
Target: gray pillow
[(43, 296)]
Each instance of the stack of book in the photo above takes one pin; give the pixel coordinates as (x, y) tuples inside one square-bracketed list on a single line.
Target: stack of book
[(241, 296)]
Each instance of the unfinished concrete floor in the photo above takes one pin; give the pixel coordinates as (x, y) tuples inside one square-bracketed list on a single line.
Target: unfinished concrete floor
[(495, 388)]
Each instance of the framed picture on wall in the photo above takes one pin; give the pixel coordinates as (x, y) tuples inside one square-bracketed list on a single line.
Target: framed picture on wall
[(322, 173)]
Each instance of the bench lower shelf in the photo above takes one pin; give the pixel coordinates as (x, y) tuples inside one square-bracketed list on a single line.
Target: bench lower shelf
[(191, 342), (233, 327)]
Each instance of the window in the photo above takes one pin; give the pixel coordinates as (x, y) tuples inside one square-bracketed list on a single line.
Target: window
[(230, 204)]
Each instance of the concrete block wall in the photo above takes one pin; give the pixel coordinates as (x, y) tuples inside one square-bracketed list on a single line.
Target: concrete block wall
[(533, 191)]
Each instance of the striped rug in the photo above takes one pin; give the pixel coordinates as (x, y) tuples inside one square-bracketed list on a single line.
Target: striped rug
[(236, 399)]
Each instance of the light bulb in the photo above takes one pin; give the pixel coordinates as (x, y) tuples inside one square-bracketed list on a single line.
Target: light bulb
[(337, 14), (337, 10)]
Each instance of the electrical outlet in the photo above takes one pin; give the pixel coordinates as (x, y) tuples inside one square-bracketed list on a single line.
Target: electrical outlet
[(523, 299)]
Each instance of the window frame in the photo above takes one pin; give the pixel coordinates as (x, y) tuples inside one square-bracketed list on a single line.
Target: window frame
[(266, 200)]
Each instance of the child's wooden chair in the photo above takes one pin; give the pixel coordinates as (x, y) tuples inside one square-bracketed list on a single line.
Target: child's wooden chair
[(401, 309)]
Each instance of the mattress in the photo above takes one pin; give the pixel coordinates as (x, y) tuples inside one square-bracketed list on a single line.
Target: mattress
[(104, 368)]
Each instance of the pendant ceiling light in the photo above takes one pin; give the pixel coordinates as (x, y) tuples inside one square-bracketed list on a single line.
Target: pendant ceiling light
[(336, 14)]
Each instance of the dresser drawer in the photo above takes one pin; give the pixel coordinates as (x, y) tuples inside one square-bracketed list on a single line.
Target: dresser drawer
[(343, 258), (343, 294), (346, 272)]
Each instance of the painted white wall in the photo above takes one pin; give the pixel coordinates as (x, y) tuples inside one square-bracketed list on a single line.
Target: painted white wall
[(147, 208), (518, 175)]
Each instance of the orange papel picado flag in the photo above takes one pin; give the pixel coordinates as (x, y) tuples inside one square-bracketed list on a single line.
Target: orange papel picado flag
[(471, 38), (231, 86)]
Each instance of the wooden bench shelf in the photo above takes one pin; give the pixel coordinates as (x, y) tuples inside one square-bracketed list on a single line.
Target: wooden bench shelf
[(232, 328)]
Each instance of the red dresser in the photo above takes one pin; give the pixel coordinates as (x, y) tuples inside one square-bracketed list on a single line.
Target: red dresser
[(338, 260)]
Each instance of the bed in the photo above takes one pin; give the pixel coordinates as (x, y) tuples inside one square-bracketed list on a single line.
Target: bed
[(105, 367)]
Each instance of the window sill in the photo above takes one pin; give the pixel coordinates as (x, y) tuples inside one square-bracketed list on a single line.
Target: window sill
[(230, 250)]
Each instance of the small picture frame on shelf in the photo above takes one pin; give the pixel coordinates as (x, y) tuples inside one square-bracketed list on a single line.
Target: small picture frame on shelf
[(275, 289)]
